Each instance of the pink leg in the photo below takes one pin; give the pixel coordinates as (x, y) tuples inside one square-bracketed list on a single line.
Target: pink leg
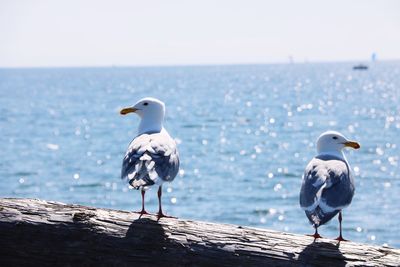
[(316, 235), (160, 212), (340, 237), (143, 211)]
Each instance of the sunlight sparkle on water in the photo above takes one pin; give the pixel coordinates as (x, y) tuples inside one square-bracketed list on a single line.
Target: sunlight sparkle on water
[(53, 146)]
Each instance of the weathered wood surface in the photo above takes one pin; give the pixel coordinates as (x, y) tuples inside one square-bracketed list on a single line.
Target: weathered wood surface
[(40, 233)]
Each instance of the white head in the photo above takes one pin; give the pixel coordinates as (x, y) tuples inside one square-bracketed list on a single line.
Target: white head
[(151, 111), (332, 142)]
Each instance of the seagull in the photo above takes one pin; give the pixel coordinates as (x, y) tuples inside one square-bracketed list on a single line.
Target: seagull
[(152, 157), (327, 184)]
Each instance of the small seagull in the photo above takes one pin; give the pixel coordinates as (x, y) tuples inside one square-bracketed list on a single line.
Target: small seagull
[(152, 157), (327, 184)]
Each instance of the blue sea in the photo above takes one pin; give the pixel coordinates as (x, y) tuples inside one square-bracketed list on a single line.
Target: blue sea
[(245, 134)]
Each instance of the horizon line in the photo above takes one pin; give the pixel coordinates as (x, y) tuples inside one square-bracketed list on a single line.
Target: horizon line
[(161, 65)]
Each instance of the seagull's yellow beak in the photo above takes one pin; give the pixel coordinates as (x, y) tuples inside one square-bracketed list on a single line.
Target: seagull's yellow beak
[(125, 111), (352, 144)]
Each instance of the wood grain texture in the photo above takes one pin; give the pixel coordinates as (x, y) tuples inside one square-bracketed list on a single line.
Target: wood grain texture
[(41, 233)]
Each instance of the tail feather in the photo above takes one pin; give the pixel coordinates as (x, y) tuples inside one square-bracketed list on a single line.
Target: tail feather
[(140, 183), (144, 175), (318, 217)]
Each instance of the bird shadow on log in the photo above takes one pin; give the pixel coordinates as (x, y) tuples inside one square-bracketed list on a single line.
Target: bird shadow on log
[(147, 233), (321, 253), (151, 246)]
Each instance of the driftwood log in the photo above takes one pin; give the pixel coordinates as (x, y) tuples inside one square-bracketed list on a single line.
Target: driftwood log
[(41, 233)]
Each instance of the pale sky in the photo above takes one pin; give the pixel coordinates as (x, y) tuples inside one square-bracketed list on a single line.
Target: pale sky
[(49, 33)]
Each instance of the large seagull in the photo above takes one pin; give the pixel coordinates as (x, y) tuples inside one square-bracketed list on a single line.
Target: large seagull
[(327, 184), (152, 157)]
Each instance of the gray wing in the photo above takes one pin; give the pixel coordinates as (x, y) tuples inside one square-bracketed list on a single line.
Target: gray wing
[(150, 159), (327, 187)]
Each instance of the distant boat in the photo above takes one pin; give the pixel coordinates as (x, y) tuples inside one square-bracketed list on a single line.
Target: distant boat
[(360, 67)]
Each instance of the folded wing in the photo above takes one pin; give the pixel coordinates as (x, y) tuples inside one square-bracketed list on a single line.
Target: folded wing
[(150, 159)]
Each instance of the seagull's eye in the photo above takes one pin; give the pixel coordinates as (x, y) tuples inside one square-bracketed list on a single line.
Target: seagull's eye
[(335, 137), (145, 104)]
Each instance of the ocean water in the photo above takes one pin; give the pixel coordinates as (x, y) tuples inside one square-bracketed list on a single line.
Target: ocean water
[(245, 134)]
